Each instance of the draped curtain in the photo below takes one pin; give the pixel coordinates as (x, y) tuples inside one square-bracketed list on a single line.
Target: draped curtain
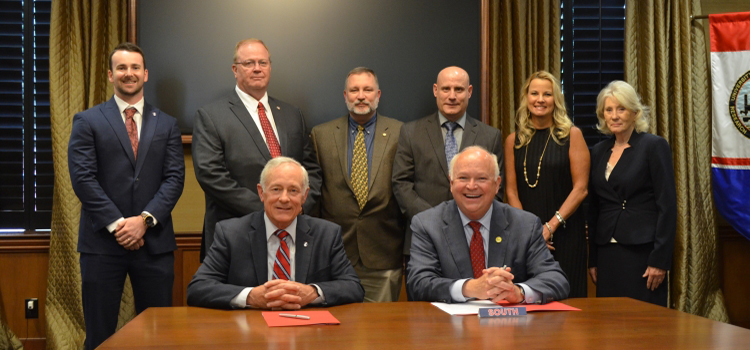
[(82, 34), (8, 340), (524, 37), (665, 60)]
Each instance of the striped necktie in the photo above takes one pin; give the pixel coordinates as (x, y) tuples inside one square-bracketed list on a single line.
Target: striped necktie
[(282, 268)]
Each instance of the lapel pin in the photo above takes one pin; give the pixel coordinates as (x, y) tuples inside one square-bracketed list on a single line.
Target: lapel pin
[(383, 134), (154, 114), (305, 245), (498, 239), (277, 107)]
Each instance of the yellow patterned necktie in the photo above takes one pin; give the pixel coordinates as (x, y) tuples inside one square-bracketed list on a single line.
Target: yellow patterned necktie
[(359, 168)]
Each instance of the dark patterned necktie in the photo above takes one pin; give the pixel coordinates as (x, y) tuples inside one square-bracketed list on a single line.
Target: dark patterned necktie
[(359, 168), (273, 143), (282, 268), (132, 129), (450, 141), (476, 249)]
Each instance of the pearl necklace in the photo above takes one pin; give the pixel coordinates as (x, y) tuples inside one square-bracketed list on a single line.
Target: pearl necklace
[(538, 168)]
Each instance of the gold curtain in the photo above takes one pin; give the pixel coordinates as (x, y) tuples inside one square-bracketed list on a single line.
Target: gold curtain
[(524, 37), (8, 340), (82, 34), (665, 60)]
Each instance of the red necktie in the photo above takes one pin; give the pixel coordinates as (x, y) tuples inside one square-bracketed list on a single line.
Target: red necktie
[(477, 249), (273, 143), (132, 129), (281, 266)]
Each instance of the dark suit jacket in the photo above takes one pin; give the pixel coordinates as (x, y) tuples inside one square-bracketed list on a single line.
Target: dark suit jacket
[(440, 254), (376, 233), (639, 202), (238, 259), (229, 153), (111, 183), (420, 170)]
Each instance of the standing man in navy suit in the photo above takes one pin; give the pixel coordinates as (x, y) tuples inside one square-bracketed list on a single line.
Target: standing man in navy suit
[(234, 138), (127, 168)]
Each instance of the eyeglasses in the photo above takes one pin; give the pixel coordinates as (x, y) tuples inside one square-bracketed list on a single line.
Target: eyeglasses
[(251, 63)]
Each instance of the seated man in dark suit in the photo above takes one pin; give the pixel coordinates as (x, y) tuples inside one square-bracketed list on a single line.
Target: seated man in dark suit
[(448, 260), (276, 258)]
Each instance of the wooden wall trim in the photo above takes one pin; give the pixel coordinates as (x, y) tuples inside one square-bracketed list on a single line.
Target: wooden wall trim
[(484, 66), (132, 20), (40, 242)]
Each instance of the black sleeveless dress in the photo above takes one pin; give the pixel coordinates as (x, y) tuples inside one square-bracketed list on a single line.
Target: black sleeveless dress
[(555, 184)]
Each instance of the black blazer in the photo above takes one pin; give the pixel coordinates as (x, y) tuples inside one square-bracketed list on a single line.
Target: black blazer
[(639, 202)]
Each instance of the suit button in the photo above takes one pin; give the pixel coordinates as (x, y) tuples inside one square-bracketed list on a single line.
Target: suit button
[(623, 204), (136, 179)]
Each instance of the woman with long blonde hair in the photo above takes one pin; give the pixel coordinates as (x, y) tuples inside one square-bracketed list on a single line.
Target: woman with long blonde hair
[(547, 170)]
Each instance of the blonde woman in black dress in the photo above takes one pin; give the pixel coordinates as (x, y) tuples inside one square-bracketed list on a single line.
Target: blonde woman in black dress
[(547, 171)]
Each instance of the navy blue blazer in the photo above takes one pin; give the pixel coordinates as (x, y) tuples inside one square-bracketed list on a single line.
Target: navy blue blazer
[(239, 259), (638, 204), (111, 183)]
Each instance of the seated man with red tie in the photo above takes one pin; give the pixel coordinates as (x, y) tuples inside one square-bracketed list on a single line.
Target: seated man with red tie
[(276, 258), (474, 247)]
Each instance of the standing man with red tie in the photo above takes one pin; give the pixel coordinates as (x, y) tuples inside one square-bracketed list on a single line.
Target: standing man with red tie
[(234, 138), (128, 169)]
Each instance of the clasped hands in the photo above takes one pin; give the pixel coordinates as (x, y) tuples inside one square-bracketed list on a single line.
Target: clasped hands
[(282, 294), (129, 232), (495, 284)]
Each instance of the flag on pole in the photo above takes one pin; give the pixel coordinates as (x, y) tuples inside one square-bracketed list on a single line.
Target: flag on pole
[(730, 150)]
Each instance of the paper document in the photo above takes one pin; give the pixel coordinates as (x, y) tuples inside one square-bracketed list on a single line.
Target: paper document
[(472, 307)]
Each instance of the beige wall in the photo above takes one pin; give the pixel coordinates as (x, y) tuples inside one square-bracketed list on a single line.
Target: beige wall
[(188, 214)]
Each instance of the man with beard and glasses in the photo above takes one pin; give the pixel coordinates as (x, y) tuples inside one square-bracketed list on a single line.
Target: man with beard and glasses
[(127, 168), (355, 153), (234, 138)]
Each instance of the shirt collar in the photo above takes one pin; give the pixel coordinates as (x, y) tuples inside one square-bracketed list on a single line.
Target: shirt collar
[(250, 102), (271, 228), (122, 105), (353, 125), (485, 220), (461, 121)]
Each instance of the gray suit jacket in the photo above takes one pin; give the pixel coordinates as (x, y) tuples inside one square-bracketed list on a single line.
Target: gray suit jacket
[(229, 153), (238, 259), (374, 235), (420, 170), (440, 254)]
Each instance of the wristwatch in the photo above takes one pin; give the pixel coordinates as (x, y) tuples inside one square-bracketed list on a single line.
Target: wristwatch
[(148, 219), (523, 294)]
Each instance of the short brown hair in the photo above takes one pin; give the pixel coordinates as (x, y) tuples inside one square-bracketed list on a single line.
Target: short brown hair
[(129, 47)]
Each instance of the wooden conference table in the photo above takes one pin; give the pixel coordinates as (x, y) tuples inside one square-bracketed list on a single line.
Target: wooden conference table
[(603, 323)]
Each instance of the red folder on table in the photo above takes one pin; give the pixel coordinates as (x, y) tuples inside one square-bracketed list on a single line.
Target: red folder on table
[(274, 318)]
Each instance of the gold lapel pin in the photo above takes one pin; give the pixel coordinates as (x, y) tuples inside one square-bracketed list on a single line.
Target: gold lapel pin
[(498, 239), (383, 134)]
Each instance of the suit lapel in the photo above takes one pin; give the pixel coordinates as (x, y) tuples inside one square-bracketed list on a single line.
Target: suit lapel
[(114, 118), (455, 238), (341, 141), (303, 244), (500, 237), (240, 111), (436, 138), (259, 250), (149, 120), (281, 127), (380, 141), (470, 133)]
